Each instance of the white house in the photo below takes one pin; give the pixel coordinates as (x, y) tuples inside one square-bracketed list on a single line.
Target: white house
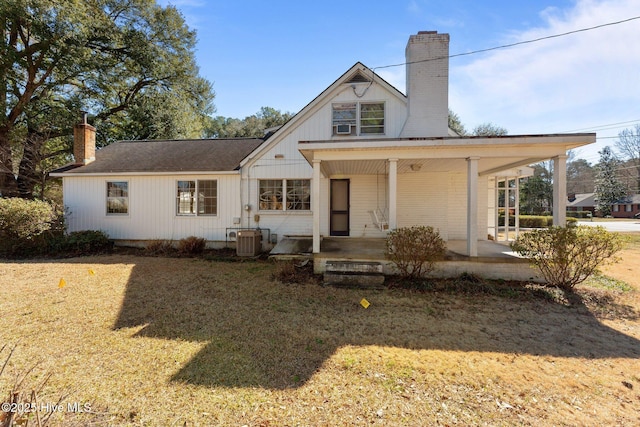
[(360, 159)]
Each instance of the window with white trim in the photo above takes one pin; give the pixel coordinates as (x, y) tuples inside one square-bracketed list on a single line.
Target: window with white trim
[(357, 118), (285, 194), (197, 197), (117, 197)]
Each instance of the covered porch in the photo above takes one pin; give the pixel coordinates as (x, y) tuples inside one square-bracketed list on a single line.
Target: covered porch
[(442, 182), (494, 260)]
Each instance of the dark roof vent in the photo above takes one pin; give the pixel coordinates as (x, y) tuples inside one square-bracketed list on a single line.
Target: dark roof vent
[(358, 78)]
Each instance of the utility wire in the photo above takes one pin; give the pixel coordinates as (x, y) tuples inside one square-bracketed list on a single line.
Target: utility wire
[(553, 36), (603, 127), (616, 137)]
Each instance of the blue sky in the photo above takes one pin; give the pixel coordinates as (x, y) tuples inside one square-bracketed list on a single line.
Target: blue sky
[(282, 54)]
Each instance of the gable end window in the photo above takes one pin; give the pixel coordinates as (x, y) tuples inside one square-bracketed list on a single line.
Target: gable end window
[(358, 118), (285, 194), (197, 197), (117, 197)]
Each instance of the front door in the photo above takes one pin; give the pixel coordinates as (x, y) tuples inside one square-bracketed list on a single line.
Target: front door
[(339, 206)]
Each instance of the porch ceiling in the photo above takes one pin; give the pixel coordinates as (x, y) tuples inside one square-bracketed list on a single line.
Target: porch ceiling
[(495, 154), (374, 167)]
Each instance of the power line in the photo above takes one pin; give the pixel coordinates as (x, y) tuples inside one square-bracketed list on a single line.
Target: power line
[(603, 127), (617, 137), (504, 46)]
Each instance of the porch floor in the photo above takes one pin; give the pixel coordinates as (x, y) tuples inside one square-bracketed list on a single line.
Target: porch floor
[(495, 260), (375, 249)]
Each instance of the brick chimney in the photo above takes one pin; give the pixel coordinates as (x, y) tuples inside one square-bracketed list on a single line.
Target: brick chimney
[(427, 56), (84, 142)]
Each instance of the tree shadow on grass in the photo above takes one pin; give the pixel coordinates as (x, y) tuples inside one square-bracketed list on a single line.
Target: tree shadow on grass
[(264, 334)]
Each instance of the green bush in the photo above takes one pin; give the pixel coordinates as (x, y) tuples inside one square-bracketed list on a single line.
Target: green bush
[(534, 221), (567, 256), (579, 214), (192, 245), (541, 221), (84, 242), (25, 219), (415, 250)]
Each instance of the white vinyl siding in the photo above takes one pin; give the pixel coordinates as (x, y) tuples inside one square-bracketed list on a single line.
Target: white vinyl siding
[(367, 193), (152, 208), (423, 199)]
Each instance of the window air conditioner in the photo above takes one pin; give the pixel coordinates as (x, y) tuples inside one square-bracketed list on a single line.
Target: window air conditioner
[(343, 129)]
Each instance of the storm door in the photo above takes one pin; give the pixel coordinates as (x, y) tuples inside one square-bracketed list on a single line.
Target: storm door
[(339, 208)]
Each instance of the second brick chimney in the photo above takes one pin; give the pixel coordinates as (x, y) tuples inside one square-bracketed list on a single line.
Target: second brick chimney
[(84, 142)]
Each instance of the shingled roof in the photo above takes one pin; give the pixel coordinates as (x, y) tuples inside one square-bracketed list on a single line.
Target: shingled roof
[(198, 155)]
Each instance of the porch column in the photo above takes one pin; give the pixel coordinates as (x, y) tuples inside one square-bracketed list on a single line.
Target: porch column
[(393, 193), (315, 205), (560, 191), (472, 206)]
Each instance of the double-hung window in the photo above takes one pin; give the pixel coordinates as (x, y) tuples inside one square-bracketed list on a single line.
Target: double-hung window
[(285, 194), (117, 197), (358, 118), (197, 197)]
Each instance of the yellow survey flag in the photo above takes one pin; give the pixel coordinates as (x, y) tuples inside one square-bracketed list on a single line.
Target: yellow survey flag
[(91, 272), (364, 303), (62, 283)]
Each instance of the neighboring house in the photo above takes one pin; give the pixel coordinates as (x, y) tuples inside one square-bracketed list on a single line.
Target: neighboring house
[(627, 208), (360, 159), (578, 202)]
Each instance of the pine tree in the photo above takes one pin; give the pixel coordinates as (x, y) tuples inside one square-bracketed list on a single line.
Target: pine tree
[(609, 188)]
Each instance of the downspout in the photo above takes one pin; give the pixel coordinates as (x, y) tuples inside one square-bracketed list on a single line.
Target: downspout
[(245, 202)]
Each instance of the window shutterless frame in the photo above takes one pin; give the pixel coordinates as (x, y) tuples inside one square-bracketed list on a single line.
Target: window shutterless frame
[(197, 197), (117, 198), (358, 118), (284, 194)]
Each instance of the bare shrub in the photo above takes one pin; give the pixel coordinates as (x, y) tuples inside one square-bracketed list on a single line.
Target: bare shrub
[(192, 245), (159, 247), (567, 256), (415, 250), (293, 272), (22, 398)]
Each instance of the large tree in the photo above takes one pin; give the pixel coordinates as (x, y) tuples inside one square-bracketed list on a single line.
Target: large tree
[(489, 129), (484, 129), (255, 125), (580, 176), (609, 188), (628, 145), (536, 193), (130, 63)]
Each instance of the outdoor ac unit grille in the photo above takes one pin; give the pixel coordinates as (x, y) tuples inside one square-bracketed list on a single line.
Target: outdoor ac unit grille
[(248, 243)]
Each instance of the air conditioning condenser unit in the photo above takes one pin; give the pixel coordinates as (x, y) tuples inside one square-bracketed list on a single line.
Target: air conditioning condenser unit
[(249, 243)]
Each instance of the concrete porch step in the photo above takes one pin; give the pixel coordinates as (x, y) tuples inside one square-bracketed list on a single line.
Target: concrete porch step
[(359, 274)]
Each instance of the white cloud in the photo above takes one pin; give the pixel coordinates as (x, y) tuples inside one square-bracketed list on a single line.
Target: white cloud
[(576, 81), (395, 76)]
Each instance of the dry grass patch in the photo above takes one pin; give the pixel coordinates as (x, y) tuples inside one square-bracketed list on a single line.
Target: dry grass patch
[(157, 341)]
